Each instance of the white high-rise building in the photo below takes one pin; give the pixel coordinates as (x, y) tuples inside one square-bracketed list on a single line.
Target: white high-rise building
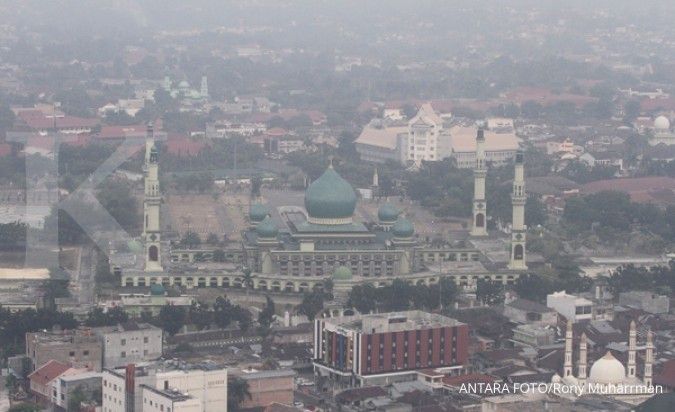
[(160, 386), (424, 130)]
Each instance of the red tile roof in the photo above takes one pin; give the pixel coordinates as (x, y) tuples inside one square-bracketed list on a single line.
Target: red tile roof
[(35, 119), (48, 372), (5, 149), (122, 132), (184, 146), (667, 375)]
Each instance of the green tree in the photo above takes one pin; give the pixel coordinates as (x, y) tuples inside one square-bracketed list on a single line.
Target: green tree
[(191, 240), (266, 315), (219, 255), (172, 318), (77, 396), (24, 407), (490, 292), (237, 393), (312, 303), (212, 239), (114, 316)]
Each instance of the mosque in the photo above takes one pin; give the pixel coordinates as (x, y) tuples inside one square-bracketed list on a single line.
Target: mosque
[(304, 250), (662, 133), (608, 376)]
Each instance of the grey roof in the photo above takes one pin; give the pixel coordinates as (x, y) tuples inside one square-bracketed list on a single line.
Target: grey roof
[(530, 306), (279, 373)]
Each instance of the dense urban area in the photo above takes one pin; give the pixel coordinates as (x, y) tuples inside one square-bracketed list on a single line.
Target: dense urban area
[(278, 206)]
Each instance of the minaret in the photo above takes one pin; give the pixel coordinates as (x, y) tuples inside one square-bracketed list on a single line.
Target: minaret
[(376, 179), (204, 90), (151, 206), (567, 368), (479, 226), (649, 359), (632, 337), (518, 228), (583, 355)]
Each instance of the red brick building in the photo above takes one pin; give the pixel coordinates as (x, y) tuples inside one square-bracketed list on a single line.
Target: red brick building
[(382, 348)]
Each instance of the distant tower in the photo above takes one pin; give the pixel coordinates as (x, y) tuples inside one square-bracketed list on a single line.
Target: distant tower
[(167, 83), (204, 90), (649, 359), (518, 228), (151, 206), (567, 368), (479, 227), (376, 179), (632, 338), (583, 355)]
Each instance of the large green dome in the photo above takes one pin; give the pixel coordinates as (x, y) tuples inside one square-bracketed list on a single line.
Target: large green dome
[(342, 273), (403, 228), (267, 228), (330, 197), (387, 213), (257, 212)]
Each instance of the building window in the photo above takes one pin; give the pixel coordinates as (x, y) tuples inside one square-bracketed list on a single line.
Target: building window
[(124, 342), (85, 353), (71, 354), (145, 339), (123, 354)]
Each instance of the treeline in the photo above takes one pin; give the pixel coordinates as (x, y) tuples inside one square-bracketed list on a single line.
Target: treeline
[(402, 295), (15, 325), (12, 234), (659, 279), (615, 213)]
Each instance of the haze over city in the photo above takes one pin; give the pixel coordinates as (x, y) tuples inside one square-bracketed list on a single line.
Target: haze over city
[(278, 206)]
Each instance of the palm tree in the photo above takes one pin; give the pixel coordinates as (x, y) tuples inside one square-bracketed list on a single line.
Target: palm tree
[(237, 392), (247, 280)]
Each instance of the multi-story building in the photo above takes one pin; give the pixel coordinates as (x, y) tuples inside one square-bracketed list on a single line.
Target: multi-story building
[(500, 147), (267, 387), (130, 342), (529, 312), (79, 348), (572, 307), (63, 387), (135, 386), (379, 349)]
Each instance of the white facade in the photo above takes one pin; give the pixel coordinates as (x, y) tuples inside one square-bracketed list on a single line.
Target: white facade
[(423, 133), (572, 307), (206, 389), (121, 347), (168, 401)]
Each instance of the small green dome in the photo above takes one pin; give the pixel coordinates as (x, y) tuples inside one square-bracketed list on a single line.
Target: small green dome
[(342, 273), (257, 212), (267, 228), (157, 290), (330, 197), (403, 228), (387, 213)]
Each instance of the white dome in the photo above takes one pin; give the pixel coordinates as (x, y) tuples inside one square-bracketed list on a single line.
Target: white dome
[(556, 379), (662, 123), (607, 370)]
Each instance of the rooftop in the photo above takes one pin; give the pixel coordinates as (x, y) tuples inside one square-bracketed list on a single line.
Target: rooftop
[(392, 322)]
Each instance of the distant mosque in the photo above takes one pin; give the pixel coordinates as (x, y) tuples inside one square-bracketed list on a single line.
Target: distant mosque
[(608, 376), (184, 90), (663, 134)]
